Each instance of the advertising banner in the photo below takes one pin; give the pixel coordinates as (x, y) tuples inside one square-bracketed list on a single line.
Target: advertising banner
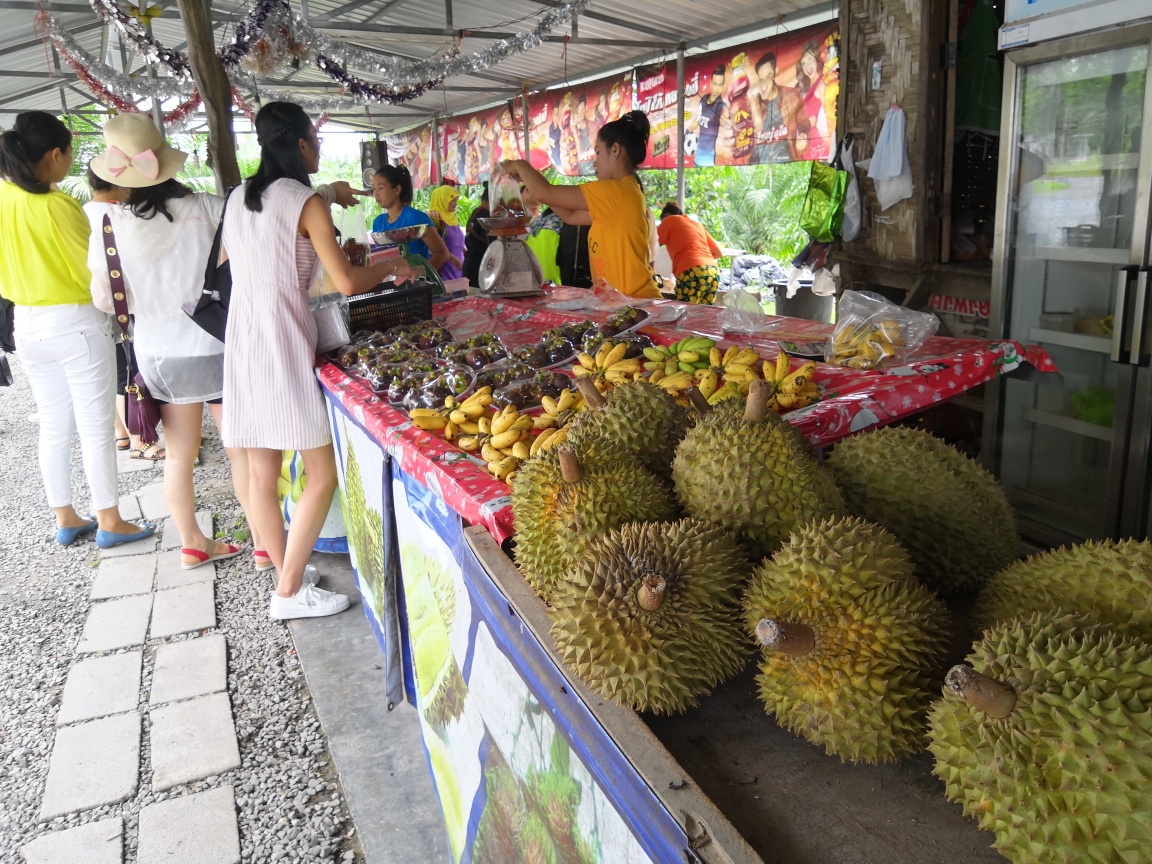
[(656, 97), (413, 149), (768, 101), (471, 144), (564, 123)]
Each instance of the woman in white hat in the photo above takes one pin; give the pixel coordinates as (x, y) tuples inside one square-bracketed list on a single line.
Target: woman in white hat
[(164, 235)]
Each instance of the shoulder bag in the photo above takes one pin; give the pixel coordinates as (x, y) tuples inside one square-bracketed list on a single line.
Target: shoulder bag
[(141, 413), (210, 312)]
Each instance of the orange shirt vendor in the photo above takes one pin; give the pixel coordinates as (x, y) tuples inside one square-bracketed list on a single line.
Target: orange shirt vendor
[(693, 253)]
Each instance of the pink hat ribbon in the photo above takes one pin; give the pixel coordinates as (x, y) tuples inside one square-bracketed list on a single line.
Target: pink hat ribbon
[(145, 162)]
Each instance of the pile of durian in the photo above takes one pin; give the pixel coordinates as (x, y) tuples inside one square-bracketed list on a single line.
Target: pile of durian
[(671, 543)]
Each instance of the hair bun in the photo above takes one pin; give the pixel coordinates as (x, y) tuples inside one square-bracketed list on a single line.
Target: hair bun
[(640, 120)]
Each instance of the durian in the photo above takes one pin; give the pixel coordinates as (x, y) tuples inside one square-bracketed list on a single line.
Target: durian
[(850, 639), (750, 471), (1046, 739), (645, 421), (948, 512), (649, 615), (1111, 582), (564, 497)]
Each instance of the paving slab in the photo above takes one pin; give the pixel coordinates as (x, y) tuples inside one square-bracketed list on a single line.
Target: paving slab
[(125, 464), (93, 764), (169, 573), (119, 577), (192, 740), (180, 610), (170, 537), (114, 624), (195, 667), (191, 829), (153, 504), (130, 509), (101, 686), (95, 843), (126, 550)]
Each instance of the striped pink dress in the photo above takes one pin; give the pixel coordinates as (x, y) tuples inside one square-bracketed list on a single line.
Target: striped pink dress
[(271, 396)]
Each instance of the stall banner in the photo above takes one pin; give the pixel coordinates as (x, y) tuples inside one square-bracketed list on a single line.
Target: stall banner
[(564, 123), (769, 101), (519, 774), (413, 150), (471, 144), (656, 97), (365, 475)]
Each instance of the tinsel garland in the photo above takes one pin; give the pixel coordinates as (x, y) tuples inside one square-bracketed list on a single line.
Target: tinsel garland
[(131, 29)]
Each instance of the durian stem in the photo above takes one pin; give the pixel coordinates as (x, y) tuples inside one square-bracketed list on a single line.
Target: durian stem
[(699, 402), (570, 468), (650, 594), (756, 408), (592, 396), (787, 637), (980, 691)]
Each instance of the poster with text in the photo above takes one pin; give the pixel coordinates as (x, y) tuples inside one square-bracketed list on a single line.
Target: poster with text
[(769, 101), (471, 144), (413, 149), (564, 123), (656, 97)]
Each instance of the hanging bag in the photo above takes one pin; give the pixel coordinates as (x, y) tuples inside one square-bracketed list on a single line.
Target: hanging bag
[(141, 413), (823, 208), (210, 312)]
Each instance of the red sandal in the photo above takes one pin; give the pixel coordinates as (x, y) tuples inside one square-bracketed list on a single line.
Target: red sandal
[(262, 566), (203, 558)]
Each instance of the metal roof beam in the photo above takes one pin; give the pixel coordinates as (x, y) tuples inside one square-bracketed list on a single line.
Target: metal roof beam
[(337, 28), (341, 10), (616, 22), (36, 43), (34, 92), (57, 76)]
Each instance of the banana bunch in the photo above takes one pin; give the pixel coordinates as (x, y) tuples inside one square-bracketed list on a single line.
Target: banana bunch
[(688, 356), (502, 441), (865, 345), (608, 368), (734, 366), (790, 389), (558, 412), (548, 439), (455, 417)]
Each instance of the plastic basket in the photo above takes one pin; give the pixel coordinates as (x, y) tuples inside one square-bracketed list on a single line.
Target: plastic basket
[(381, 310)]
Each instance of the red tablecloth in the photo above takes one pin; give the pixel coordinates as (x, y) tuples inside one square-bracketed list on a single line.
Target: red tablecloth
[(853, 400)]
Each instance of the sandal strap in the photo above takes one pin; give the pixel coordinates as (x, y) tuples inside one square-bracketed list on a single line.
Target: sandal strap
[(195, 553)]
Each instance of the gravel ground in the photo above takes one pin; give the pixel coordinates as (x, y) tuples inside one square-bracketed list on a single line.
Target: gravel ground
[(290, 803)]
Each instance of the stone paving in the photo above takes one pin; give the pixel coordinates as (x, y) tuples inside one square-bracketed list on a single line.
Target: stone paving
[(95, 759)]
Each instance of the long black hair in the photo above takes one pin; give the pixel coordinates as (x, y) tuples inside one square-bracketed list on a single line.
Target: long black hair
[(631, 133), (147, 201), (34, 134), (398, 175), (279, 128)]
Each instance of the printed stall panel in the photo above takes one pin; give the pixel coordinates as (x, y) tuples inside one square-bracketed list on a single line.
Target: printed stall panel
[(510, 787)]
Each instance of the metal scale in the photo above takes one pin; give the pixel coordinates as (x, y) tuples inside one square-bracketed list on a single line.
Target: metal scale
[(509, 268)]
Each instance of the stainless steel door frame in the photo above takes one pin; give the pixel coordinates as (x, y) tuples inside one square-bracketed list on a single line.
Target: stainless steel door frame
[(1129, 482)]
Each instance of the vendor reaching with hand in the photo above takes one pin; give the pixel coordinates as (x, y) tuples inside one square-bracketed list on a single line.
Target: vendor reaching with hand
[(613, 205), (392, 189)]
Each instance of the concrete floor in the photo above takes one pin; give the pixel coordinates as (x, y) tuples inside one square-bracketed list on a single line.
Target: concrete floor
[(378, 753)]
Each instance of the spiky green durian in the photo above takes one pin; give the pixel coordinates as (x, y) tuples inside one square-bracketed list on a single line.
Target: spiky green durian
[(746, 469), (555, 516), (1046, 739), (645, 421), (1110, 581), (850, 638), (649, 615), (948, 512)]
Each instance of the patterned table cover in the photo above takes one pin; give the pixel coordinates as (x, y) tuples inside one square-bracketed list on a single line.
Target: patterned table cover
[(853, 400)]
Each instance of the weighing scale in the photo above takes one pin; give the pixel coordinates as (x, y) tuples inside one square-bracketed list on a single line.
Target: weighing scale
[(421, 266), (509, 268)]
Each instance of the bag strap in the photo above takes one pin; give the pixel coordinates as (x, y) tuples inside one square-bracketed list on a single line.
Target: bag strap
[(116, 277), (214, 255)]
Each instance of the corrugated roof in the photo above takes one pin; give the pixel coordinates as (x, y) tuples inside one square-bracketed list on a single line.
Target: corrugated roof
[(616, 35)]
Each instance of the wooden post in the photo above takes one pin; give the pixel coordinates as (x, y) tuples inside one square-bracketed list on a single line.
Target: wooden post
[(215, 90), (680, 126)]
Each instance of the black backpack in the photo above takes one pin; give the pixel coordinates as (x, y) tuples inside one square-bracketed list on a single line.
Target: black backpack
[(211, 311)]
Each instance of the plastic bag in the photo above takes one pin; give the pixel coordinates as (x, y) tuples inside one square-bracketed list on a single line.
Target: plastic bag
[(872, 331), (329, 311), (889, 157), (504, 194), (823, 207), (850, 224), (742, 313)]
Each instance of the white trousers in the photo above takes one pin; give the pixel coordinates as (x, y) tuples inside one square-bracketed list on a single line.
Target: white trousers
[(70, 360)]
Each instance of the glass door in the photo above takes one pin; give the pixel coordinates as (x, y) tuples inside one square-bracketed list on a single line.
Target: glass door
[(1071, 225)]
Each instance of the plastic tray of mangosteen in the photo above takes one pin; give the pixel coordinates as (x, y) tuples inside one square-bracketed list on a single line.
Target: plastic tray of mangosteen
[(454, 380), (636, 343), (475, 352), (503, 373), (529, 394)]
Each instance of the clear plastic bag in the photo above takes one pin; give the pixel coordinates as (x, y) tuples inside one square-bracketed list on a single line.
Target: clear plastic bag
[(871, 332), (743, 313), (504, 194), (330, 312)]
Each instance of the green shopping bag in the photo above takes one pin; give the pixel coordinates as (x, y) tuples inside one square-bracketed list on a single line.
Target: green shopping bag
[(823, 209)]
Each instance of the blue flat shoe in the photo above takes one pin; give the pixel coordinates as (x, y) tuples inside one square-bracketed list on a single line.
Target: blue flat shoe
[(108, 539), (66, 536)]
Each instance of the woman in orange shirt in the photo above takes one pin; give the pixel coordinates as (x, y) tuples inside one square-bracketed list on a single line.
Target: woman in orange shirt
[(693, 253), (613, 205)]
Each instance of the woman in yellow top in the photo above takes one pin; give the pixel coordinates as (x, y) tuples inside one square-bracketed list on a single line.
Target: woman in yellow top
[(613, 204), (63, 342)]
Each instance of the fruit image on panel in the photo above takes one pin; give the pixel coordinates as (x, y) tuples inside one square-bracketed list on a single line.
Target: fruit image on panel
[(365, 528)]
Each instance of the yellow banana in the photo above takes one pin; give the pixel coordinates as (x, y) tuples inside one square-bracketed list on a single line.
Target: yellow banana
[(485, 425), (468, 444), (489, 453), (520, 450), (540, 439), (470, 427), (728, 357), (749, 357), (458, 416), (545, 421), (423, 412), (506, 467), (798, 378), (587, 361), (430, 424), (524, 421), (451, 431), (708, 383), (781, 367), (736, 368), (578, 370), (769, 369), (504, 439), (567, 400), (503, 422), (550, 405), (628, 367), (449, 401), (715, 358), (657, 376), (688, 357), (615, 356), (602, 353)]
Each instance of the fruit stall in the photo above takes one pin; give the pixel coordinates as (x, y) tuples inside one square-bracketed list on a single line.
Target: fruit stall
[(595, 585)]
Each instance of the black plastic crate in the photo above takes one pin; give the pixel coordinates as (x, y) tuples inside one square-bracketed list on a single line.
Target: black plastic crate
[(381, 310)]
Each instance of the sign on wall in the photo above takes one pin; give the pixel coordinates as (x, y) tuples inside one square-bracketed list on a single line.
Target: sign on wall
[(564, 123), (470, 145)]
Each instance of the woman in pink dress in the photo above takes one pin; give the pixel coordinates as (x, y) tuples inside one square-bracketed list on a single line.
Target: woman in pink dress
[(810, 81), (275, 229)]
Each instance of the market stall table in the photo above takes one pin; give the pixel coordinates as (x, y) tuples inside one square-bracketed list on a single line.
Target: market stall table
[(510, 735)]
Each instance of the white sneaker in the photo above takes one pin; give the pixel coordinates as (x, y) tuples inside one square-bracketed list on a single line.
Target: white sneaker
[(308, 602), (311, 575)]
